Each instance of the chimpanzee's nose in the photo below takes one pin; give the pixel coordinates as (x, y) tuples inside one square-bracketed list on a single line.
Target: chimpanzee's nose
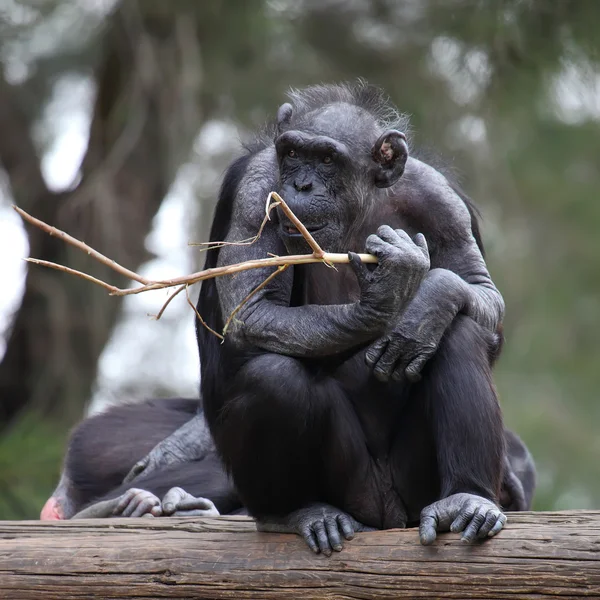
[(302, 185)]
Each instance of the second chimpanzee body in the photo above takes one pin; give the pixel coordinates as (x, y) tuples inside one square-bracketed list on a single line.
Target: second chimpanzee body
[(319, 400)]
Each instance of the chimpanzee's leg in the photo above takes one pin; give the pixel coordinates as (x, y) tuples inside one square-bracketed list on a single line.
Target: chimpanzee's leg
[(519, 480), (460, 402), (276, 432)]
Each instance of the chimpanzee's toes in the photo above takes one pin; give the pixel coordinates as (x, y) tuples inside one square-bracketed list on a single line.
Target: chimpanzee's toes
[(476, 517)]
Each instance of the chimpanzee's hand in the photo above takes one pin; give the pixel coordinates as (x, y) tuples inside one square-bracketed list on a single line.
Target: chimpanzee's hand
[(178, 503), (162, 455), (475, 516), (136, 502), (402, 265), (321, 525), (192, 441), (404, 351)]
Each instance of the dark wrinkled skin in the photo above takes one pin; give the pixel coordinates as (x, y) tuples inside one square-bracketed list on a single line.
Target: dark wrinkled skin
[(322, 526), (468, 514)]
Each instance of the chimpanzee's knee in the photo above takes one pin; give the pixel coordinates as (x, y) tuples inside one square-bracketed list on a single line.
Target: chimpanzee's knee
[(466, 340)]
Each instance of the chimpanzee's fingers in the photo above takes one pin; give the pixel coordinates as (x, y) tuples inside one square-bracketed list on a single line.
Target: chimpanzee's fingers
[(462, 519), (319, 528), (490, 520), (427, 529), (421, 243), (172, 499), (395, 237), (138, 468), (186, 505), (386, 364), (377, 246), (203, 504), (333, 533), (142, 501), (347, 526), (413, 370), (470, 533), (399, 372), (308, 535), (375, 351), (147, 503), (125, 500), (497, 528), (360, 270)]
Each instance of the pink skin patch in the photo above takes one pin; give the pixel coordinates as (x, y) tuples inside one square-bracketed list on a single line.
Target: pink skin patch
[(52, 511), (387, 151)]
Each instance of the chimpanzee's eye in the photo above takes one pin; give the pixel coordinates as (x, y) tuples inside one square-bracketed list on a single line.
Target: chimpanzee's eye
[(292, 153), (327, 159)]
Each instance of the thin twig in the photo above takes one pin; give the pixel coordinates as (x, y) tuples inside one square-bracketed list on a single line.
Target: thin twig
[(46, 263), (247, 242), (199, 316), (159, 314), (317, 250), (276, 261), (279, 270), (82, 246)]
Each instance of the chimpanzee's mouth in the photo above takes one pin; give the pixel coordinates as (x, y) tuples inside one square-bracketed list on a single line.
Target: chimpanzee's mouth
[(291, 231)]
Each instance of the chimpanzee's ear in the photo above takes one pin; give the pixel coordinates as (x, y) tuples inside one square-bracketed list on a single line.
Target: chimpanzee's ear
[(284, 115), (389, 155)]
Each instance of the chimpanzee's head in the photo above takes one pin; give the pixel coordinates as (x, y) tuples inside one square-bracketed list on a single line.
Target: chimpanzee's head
[(335, 150)]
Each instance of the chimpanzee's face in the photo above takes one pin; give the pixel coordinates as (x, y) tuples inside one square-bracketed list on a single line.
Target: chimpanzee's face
[(330, 170)]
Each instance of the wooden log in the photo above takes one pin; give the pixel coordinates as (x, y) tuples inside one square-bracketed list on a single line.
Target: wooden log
[(538, 555)]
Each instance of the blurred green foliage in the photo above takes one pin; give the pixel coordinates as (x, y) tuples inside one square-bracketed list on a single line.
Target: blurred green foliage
[(508, 92), (30, 459)]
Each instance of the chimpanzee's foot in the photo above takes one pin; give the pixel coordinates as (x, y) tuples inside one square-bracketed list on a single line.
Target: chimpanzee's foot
[(321, 525), (475, 516), (178, 503)]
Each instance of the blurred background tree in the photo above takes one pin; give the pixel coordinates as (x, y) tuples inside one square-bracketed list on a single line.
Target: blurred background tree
[(117, 119)]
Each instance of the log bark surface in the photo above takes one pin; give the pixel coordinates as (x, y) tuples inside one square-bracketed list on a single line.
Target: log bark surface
[(538, 555)]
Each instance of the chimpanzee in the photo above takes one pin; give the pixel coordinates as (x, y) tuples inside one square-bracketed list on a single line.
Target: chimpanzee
[(352, 397), (103, 448)]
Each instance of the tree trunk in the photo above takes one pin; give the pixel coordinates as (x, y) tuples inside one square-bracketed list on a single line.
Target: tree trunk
[(142, 127), (538, 555)]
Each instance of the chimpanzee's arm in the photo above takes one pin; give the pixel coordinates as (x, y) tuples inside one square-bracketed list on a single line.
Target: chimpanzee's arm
[(266, 320), (458, 282), (190, 442)]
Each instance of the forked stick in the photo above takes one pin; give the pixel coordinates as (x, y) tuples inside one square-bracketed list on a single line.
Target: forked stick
[(282, 262)]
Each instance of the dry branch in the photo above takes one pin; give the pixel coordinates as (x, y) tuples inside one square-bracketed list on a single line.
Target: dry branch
[(182, 283)]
